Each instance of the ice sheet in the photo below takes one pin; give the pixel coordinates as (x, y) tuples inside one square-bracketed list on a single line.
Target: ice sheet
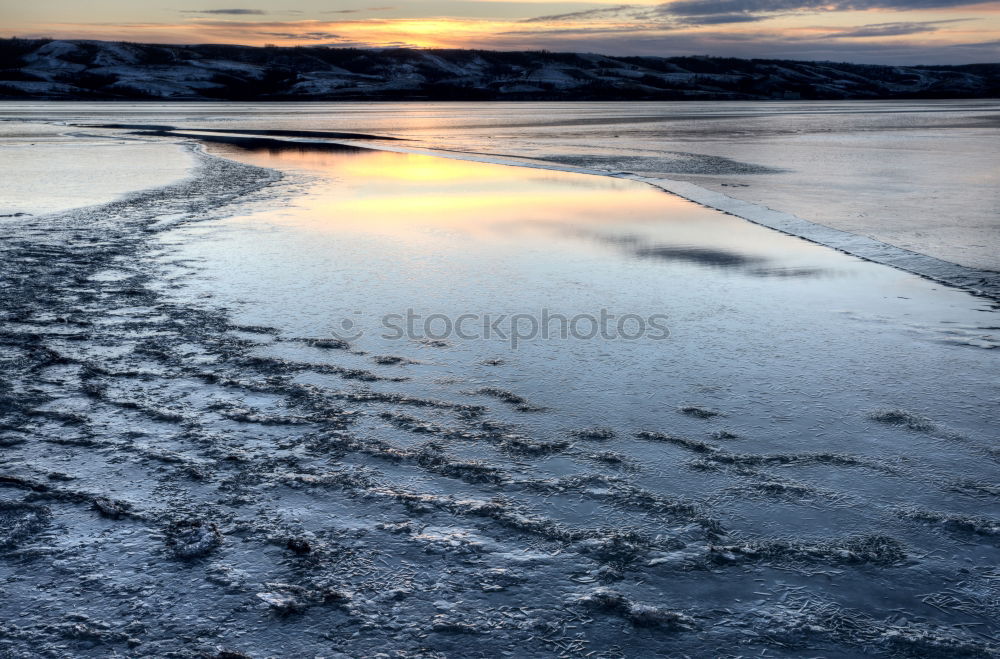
[(921, 175), (193, 461), (46, 172)]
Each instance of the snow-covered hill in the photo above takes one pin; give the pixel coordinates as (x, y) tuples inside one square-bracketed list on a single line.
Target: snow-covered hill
[(41, 68)]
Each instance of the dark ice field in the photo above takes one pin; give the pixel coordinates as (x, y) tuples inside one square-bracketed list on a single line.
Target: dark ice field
[(200, 458)]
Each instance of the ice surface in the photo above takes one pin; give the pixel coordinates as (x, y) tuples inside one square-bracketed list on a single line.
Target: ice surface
[(194, 463), (45, 172), (919, 175)]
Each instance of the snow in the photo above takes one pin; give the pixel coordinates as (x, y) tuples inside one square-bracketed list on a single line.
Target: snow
[(113, 54), (226, 66), (163, 88), (321, 86), (172, 73), (444, 65), (520, 88), (553, 75), (40, 87)]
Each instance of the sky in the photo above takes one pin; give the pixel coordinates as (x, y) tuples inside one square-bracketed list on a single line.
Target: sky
[(867, 31)]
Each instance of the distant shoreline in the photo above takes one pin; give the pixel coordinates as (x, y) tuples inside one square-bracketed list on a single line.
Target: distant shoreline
[(386, 101), (86, 70)]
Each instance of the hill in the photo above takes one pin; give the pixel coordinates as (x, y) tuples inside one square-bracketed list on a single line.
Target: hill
[(77, 69)]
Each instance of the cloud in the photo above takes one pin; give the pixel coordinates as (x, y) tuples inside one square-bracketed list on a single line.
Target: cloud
[(357, 11), (606, 12), (763, 44), (754, 7), (718, 12), (228, 12), (307, 36), (725, 28), (720, 19), (624, 28), (891, 29)]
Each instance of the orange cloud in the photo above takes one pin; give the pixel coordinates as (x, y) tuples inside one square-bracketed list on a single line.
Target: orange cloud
[(622, 29)]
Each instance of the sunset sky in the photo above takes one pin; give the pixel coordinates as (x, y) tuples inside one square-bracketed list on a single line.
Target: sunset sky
[(878, 31)]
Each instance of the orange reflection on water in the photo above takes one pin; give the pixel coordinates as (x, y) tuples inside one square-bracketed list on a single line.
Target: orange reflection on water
[(418, 198), (379, 186)]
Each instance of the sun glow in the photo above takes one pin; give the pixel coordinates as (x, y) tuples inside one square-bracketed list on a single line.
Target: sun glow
[(728, 28)]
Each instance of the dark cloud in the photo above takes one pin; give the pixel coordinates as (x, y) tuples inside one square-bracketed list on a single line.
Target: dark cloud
[(687, 13), (737, 7), (357, 11), (606, 12), (892, 29), (762, 44), (583, 29), (308, 36), (229, 12), (720, 19), (716, 12)]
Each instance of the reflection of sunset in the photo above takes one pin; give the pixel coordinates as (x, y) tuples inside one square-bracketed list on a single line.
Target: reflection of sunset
[(416, 199), (407, 167), (410, 192), (399, 167), (407, 208)]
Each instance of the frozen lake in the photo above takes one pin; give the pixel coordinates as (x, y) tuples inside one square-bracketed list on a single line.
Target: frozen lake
[(210, 422), (921, 175)]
